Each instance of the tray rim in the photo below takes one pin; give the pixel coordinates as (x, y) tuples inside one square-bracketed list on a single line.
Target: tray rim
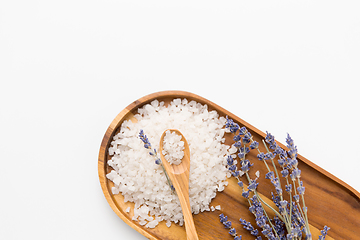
[(179, 94)]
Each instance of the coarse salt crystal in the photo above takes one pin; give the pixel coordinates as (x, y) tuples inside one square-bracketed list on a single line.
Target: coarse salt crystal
[(173, 147), (168, 223), (144, 183)]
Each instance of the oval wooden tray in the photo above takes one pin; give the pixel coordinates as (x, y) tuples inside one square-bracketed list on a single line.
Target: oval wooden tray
[(330, 201)]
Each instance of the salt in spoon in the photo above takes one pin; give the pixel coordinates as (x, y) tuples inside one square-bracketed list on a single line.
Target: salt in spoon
[(179, 176)]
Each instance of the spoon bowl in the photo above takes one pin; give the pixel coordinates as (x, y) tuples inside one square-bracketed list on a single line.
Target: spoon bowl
[(179, 176)]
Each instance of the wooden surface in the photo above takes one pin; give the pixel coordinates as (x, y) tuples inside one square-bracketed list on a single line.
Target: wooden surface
[(330, 201), (179, 176)]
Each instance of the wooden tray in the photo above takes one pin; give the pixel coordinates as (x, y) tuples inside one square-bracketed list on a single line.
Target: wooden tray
[(330, 201)]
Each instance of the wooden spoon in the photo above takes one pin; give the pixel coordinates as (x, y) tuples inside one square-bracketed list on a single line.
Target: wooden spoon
[(179, 176)]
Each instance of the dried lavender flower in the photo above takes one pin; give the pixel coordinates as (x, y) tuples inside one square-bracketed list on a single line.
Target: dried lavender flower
[(288, 188), (237, 138), (291, 221), (295, 174), (243, 131), (324, 232), (232, 232), (230, 160), (245, 194), (227, 224), (285, 173), (269, 175), (253, 185), (223, 218), (261, 156), (233, 127), (237, 144), (301, 189), (254, 145), (145, 140), (269, 138), (247, 138)]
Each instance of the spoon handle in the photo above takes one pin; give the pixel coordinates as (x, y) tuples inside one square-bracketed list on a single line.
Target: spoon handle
[(179, 175), (183, 195)]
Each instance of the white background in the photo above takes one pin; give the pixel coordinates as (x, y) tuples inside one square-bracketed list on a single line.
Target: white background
[(68, 67)]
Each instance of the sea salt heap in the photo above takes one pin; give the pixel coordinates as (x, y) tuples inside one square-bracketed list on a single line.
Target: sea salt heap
[(173, 147), (136, 176)]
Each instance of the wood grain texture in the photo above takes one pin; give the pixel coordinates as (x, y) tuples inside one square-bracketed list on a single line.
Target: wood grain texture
[(330, 201)]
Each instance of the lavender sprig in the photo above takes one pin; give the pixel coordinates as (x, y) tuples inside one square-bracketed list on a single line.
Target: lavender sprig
[(270, 139), (291, 215), (227, 224), (253, 231), (289, 168), (152, 152), (245, 166)]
